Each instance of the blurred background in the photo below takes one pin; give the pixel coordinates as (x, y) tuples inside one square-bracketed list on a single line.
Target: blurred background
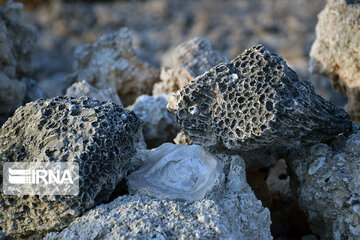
[(286, 27)]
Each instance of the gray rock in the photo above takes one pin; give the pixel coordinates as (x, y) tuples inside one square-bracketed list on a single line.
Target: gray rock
[(189, 60), (17, 41), (326, 181), (231, 212), (112, 63), (256, 100), (101, 136), (159, 125), (83, 88), (335, 53)]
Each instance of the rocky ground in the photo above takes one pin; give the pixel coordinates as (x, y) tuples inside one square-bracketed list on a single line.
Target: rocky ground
[(264, 148)]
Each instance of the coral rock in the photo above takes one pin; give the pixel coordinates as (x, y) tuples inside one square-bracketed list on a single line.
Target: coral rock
[(112, 63), (335, 53), (326, 181), (83, 88), (233, 212), (177, 171), (189, 60), (254, 101), (159, 125), (101, 136)]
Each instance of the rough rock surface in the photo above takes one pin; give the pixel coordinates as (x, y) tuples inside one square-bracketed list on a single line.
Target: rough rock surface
[(83, 88), (159, 125), (177, 172), (100, 136), (232, 212), (335, 53), (189, 60), (112, 63), (17, 41), (326, 181), (254, 101)]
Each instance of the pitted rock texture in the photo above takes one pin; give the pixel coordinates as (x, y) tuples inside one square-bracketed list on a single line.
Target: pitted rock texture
[(17, 41), (112, 63), (254, 101), (231, 212), (189, 60), (326, 181), (159, 125), (100, 136), (83, 88), (335, 53)]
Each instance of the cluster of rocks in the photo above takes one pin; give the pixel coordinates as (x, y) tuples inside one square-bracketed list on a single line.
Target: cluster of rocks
[(230, 120)]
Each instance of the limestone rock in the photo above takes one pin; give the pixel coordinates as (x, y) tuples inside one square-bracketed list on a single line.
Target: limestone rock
[(335, 53), (177, 172), (17, 41), (112, 63), (189, 60), (255, 100), (231, 213), (159, 125), (101, 136), (83, 88), (326, 181)]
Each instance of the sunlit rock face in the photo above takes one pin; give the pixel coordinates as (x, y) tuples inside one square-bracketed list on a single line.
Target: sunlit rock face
[(177, 171)]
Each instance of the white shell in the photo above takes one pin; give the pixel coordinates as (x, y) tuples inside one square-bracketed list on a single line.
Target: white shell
[(177, 171)]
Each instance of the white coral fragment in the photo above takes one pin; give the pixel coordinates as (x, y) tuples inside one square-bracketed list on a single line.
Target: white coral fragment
[(177, 171)]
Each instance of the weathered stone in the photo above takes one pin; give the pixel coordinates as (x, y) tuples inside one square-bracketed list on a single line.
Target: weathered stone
[(159, 125), (17, 41), (231, 212), (335, 53), (189, 60), (325, 179), (112, 63), (101, 136), (83, 88), (256, 100)]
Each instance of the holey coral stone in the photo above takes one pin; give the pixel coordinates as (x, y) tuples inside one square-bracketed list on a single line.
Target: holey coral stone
[(177, 172), (253, 101)]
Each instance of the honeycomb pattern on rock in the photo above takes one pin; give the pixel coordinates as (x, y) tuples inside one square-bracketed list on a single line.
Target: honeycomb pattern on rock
[(101, 136), (253, 101)]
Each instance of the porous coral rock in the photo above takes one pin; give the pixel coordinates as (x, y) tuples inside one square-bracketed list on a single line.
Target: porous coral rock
[(101, 136), (83, 88), (17, 41), (255, 100), (112, 63), (325, 179), (159, 125), (177, 172), (231, 212), (189, 60), (335, 52)]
